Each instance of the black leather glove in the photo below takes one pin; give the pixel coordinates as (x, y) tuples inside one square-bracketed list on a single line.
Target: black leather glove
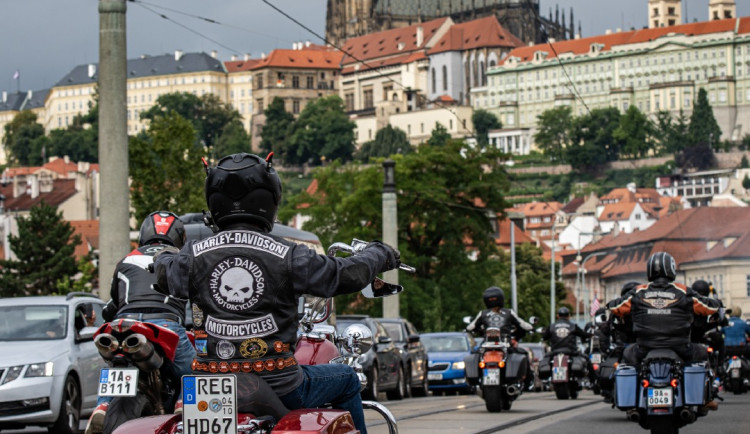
[(170, 249), (392, 256)]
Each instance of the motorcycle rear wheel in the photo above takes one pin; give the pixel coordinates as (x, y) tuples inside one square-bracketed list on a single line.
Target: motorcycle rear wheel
[(493, 398), (124, 409), (737, 386), (663, 425), (562, 390)]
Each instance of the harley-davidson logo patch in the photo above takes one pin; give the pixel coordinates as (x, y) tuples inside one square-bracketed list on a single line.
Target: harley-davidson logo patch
[(659, 303)]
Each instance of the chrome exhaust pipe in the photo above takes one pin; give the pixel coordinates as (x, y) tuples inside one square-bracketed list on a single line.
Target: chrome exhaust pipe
[(383, 411), (633, 415), (687, 416), (107, 345), (141, 351), (512, 390)]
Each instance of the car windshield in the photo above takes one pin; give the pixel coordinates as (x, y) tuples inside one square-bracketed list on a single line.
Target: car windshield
[(538, 350), (394, 331), (24, 323), (445, 343)]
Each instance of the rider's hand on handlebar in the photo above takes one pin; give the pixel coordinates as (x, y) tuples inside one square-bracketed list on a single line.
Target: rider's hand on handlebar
[(392, 256)]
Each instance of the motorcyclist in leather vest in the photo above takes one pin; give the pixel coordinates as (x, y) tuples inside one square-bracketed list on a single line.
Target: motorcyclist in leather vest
[(562, 334), (662, 312), (706, 330), (134, 296), (244, 285)]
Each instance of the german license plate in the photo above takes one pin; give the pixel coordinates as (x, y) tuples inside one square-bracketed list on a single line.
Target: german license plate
[(735, 372), (209, 404), (491, 377), (118, 382), (560, 373), (596, 358), (660, 397), (434, 377)]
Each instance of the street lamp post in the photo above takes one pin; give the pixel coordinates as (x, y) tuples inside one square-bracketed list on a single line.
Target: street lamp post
[(390, 233), (581, 272)]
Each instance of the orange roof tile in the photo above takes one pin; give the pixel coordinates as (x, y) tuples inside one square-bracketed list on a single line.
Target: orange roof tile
[(89, 231), (62, 190), (617, 211), (240, 65), (312, 58), (583, 45), (484, 32), (534, 209), (389, 43)]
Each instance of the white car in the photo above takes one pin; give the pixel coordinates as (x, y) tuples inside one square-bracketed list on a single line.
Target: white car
[(49, 366)]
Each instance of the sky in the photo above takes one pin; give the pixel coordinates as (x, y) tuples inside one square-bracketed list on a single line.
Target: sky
[(45, 39)]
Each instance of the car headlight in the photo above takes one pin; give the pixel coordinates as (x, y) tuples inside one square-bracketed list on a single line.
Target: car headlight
[(13, 373), (40, 370), (459, 365)]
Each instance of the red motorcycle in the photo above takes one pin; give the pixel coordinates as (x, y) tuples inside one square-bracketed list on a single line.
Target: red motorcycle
[(318, 343)]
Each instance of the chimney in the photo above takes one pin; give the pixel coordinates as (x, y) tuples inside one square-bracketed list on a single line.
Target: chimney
[(29, 94), (631, 187), (578, 36), (214, 53), (177, 55), (246, 57), (33, 183), (262, 55), (5, 97), (608, 32), (420, 36), (307, 43), (234, 57), (618, 30), (92, 70), (66, 159)]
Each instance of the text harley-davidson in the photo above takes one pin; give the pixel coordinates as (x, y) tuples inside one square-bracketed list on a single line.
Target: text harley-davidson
[(214, 397)]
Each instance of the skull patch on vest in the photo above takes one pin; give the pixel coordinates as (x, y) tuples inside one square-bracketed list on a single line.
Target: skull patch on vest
[(237, 283)]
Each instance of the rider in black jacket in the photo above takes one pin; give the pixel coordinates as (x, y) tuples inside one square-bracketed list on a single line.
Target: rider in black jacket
[(244, 284), (562, 334), (134, 296)]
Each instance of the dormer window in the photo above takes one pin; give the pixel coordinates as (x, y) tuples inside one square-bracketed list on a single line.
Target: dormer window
[(540, 55)]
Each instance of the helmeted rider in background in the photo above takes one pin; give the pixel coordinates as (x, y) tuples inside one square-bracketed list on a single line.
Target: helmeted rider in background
[(662, 312), (501, 317), (562, 334), (244, 284), (736, 333), (705, 329), (134, 296)]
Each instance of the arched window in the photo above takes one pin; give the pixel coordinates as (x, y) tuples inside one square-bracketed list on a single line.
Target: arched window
[(434, 88), (445, 77)]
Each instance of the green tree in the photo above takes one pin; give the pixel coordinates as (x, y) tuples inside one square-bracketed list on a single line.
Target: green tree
[(277, 129), (441, 228), (166, 168), (700, 157), (703, 126), (553, 131), (207, 114), (233, 139), (593, 143), (440, 136), (23, 140), (388, 141), (44, 250), (746, 182), (79, 141), (744, 164), (484, 121), (634, 133), (323, 129)]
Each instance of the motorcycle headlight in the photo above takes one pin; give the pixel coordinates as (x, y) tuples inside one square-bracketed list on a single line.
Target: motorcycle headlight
[(13, 373), (40, 370), (459, 365)]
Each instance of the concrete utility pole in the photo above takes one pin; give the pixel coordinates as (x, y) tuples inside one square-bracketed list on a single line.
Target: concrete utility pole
[(114, 240), (390, 233)]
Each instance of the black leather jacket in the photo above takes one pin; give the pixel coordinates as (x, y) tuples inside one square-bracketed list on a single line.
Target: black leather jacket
[(662, 312), (244, 286), (132, 288), (505, 319), (561, 335)]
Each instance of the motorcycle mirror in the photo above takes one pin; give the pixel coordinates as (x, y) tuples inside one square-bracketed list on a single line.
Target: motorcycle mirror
[(533, 320), (467, 320), (323, 315), (357, 339), (380, 288)]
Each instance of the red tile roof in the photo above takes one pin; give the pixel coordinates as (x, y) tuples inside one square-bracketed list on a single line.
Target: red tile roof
[(583, 45), (308, 57), (572, 206), (481, 33), (240, 65), (62, 190), (538, 209), (89, 231), (60, 166), (389, 43), (617, 211)]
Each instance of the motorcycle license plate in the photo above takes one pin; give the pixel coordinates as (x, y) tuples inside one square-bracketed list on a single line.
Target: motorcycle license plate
[(491, 377), (660, 397), (734, 368), (559, 373), (735, 372), (596, 358), (209, 404), (434, 377), (118, 382)]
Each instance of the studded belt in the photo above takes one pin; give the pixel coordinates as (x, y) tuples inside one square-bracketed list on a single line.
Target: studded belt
[(247, 367)]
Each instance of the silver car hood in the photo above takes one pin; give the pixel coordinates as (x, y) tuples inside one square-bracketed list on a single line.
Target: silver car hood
[(14, 353)]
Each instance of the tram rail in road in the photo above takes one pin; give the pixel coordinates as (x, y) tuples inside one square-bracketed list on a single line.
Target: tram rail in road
[(467, 413)]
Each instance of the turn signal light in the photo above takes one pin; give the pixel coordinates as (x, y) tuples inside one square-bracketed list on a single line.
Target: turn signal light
[(710, 350), (617, 364), (644, 383), (674, 383), (734, 357), (501, 364), (596, 366), (482, 364)]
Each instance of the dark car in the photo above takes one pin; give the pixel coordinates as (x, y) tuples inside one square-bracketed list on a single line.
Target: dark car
[(447, 369), (381, 364), (413, 354), (536, 354)]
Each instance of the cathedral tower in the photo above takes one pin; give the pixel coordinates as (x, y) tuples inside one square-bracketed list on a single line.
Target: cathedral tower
[(721, 9)]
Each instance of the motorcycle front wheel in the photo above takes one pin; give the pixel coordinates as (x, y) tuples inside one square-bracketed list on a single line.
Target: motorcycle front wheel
[(493, 398)]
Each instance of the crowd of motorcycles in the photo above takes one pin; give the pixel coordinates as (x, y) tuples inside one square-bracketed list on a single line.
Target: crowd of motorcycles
[(662, 394)]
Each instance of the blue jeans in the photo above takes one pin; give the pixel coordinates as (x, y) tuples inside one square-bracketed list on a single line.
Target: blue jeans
[(183, 356), (333, 384)]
